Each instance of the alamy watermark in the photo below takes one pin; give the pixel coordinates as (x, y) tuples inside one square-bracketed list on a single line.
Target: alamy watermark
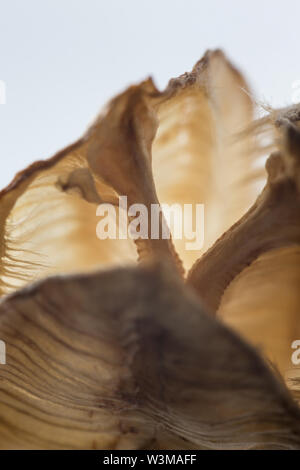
[(2, 352), (182, 222), (2, 92), (296, 91), (295, 358)]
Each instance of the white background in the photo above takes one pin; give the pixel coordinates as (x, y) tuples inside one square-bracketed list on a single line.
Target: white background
[(62, 59)]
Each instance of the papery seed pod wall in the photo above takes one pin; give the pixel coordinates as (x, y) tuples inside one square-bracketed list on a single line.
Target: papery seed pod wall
[(116, 344)]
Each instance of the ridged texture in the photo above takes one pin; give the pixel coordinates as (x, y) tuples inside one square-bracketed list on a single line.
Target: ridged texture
[(139, 356), (147, 368)]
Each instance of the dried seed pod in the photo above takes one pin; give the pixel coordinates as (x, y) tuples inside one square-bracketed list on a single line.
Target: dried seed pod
[(116, 150), (129, 357), (146, 368)]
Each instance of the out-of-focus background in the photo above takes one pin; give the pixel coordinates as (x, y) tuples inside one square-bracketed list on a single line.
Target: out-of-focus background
[(61, 60)]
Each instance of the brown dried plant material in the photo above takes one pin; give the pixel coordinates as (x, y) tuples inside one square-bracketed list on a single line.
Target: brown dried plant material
[(130, 357), (272, 222), (261, 301), (116, 150), (146, 368)]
